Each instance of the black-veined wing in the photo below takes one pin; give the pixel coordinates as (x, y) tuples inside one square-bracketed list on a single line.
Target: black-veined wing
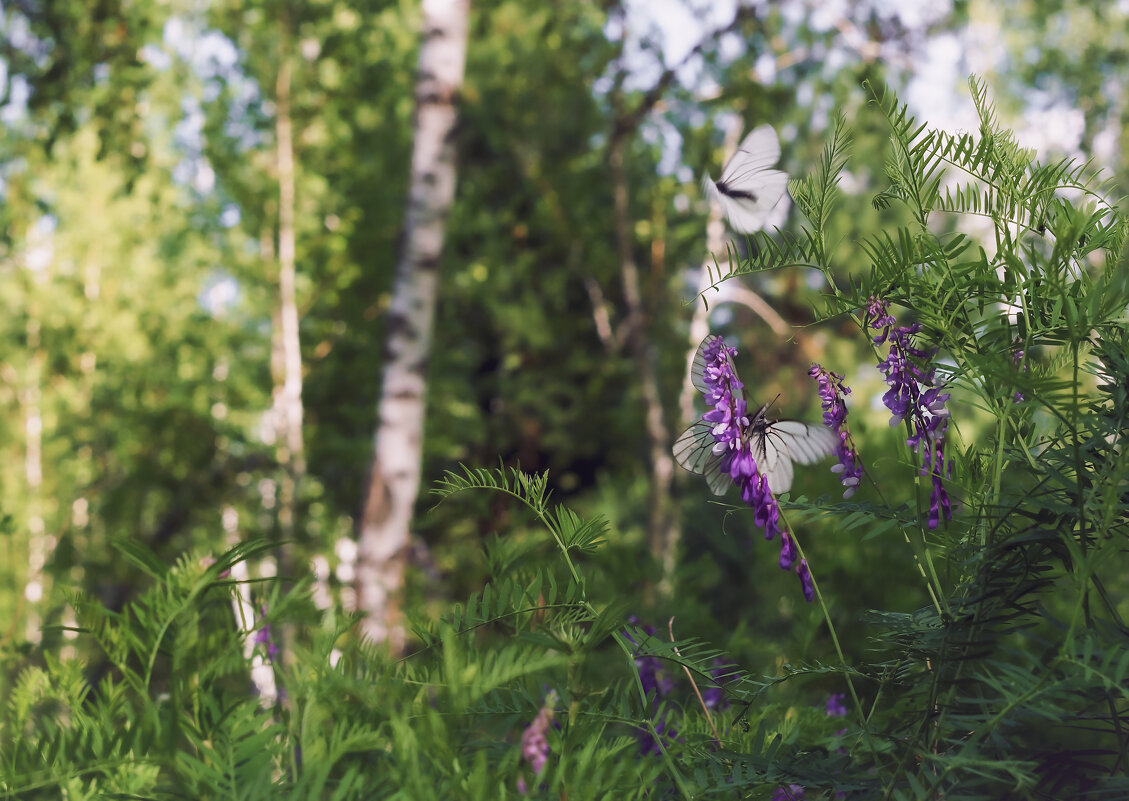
[(698, 367), (778, 443), (694, 451), (748, 187)]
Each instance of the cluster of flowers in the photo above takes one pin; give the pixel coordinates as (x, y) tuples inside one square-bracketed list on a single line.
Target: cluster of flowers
[(832, 394), (658, 682), (913, 396), (534, 742), (729, 415)]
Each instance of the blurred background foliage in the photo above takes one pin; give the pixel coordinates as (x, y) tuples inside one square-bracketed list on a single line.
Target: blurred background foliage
[(138, 278)]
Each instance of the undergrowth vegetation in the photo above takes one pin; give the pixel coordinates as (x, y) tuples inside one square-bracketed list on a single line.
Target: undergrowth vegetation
[(1010, 681)]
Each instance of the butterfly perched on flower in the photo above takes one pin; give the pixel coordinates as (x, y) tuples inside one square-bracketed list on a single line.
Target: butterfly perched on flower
[(719, 445), (748, 187)]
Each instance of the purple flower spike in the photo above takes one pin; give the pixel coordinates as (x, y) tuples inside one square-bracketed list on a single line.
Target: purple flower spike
[(714, 697), (793, 792), (914, 397), (657, 681), (836, 706), (534, 743), (653, 674), (730, 415), (263, 636), (833, 393), (723, 444)]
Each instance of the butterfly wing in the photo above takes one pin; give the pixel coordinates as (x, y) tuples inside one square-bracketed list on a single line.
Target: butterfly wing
[(759, 150), (746, 210), (805, 443), (694, 452), (772, 460), (698, 367), (749, 187), (777, 443)]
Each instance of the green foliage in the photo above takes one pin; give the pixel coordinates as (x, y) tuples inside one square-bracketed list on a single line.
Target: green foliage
[(994, 664), (1011, 683), (444, 722)]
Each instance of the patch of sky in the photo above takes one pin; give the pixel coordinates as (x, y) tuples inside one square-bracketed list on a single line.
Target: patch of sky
[(15, 109), (230, 216), (219, 294), (215, 59), (17, 30), (658, 35), (41, 244), (208, 52), (156, 57), (240, 124)]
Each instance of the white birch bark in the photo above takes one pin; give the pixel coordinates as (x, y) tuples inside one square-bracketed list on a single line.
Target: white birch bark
[(291, 451), (394, 474), (243, 607), (40, 254)]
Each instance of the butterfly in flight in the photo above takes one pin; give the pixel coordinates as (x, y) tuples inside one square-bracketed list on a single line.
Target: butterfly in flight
[(748, 187), (774, 444)]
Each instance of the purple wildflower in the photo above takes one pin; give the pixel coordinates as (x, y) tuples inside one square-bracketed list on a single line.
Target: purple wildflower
[(657, 681), (714, 697), (793, 792), (805, 580), (664, 730), (914, 397), (729, 415), (832, 393), (787, 551), (263, 637), (653, 673), (836, 706), (534, 743)]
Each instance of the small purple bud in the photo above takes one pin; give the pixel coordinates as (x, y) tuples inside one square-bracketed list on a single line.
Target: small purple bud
[(787, 551), (805, 580), (714, 697)]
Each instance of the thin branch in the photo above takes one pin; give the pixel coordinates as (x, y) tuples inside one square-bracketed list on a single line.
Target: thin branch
[(760, 307), (694, 684), (600, 314)]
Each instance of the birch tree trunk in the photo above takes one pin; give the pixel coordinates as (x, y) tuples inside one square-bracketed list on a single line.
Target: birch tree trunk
[(37, 265), (291, 451), (394, 474)]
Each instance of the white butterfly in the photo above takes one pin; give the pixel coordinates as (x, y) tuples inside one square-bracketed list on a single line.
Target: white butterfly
[(775, 443), (749, 187)]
